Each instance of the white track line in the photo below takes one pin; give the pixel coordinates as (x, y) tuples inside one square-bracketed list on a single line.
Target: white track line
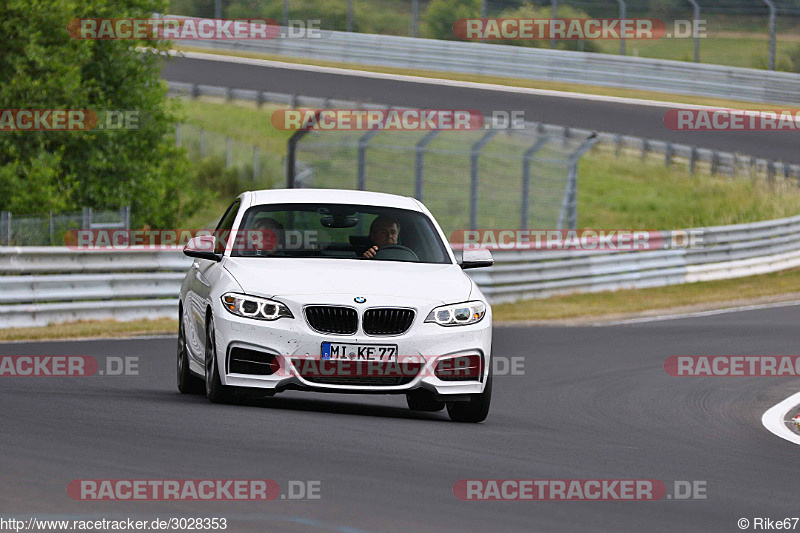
[(701, 313), (435, 81), (774, 419)]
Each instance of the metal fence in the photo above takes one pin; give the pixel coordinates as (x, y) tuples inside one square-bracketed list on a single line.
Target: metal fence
[(45, 285), (679, 77), (399, 162), (351, 15), (36, 230)]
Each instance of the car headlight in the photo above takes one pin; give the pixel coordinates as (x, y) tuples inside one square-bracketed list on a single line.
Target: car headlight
[(255, 307), (458, 314)]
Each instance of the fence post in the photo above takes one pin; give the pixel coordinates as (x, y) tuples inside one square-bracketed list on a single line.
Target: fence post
[(217, 9), (668, 150), (415, 18), (696, 18), (285, 12), (126, 216), (86, 218), (349, 15), (361, 178), (178, 134), (255, 163), (5, 228), (692, 159), (202, 142), (526, 179), (569, 206), (772, 11), (228, 155), (622, 11), (475, 153), (52, 229), (553, 15), (291, 150), (419, 163)]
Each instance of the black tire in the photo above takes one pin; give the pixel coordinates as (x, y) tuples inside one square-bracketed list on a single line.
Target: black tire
[(188, 383), (423, 400), (476, 409), (215, 390)]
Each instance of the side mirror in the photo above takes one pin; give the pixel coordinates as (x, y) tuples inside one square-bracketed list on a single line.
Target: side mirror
[(476, 259), (202, 247)]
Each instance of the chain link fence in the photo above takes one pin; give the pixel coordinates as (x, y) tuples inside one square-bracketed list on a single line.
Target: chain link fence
[(38, 230), (469, 179)]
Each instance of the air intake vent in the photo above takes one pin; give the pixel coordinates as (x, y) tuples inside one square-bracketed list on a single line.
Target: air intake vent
[(332, 319), (387, 321), (244, 361)]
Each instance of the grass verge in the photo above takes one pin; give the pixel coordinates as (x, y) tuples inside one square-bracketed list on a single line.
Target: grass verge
[(690, 296), (91, 329)]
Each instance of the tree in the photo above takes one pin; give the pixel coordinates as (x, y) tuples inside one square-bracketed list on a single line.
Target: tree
[(44, 68)]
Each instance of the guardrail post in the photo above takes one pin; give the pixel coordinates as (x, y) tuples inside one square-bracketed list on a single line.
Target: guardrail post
[(714, 162), (361, 178), (569, 205), (475, 153), (5, 228), (645, 148), (696, 19), (617, 144), (622, 11), (526, 179), (772, 12), (419, 163), (668, 151)]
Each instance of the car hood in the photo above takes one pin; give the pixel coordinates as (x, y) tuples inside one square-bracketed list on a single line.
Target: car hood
[(292, 277)]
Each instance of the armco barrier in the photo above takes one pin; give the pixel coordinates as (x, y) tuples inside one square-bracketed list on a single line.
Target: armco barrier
[(46, 285), (679, 77)]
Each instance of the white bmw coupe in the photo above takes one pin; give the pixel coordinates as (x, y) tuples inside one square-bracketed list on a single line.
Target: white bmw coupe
[(335, 291)]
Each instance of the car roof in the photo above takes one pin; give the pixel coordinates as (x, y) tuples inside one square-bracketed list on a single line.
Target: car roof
[(332, 196)]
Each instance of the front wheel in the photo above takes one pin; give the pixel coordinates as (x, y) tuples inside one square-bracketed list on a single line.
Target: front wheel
[(476, 409), (187, 382), (215, 390)]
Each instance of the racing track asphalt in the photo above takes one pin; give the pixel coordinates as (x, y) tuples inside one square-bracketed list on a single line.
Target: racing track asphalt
[(639, 120), (594, 402)]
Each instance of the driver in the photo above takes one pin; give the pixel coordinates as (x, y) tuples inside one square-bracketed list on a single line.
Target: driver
[(271, 238), (382, 232)]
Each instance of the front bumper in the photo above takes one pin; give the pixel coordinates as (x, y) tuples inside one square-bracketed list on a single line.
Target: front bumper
[(290, 340)]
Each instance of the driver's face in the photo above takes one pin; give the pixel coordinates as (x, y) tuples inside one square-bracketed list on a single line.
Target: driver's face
[(385, 234)]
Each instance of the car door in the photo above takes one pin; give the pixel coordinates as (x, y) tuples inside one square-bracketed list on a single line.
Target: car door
[(199, 293)]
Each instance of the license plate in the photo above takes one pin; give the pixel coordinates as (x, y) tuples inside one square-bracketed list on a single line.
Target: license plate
[(359, 352)]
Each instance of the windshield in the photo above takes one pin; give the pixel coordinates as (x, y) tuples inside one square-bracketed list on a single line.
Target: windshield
[(341, 231)]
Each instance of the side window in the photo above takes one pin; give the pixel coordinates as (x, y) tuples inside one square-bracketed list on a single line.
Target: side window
[(223, 231)]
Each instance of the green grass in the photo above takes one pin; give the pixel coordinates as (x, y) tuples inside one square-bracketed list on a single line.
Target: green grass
[(624, 192), (778, 286), (91, 328)]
